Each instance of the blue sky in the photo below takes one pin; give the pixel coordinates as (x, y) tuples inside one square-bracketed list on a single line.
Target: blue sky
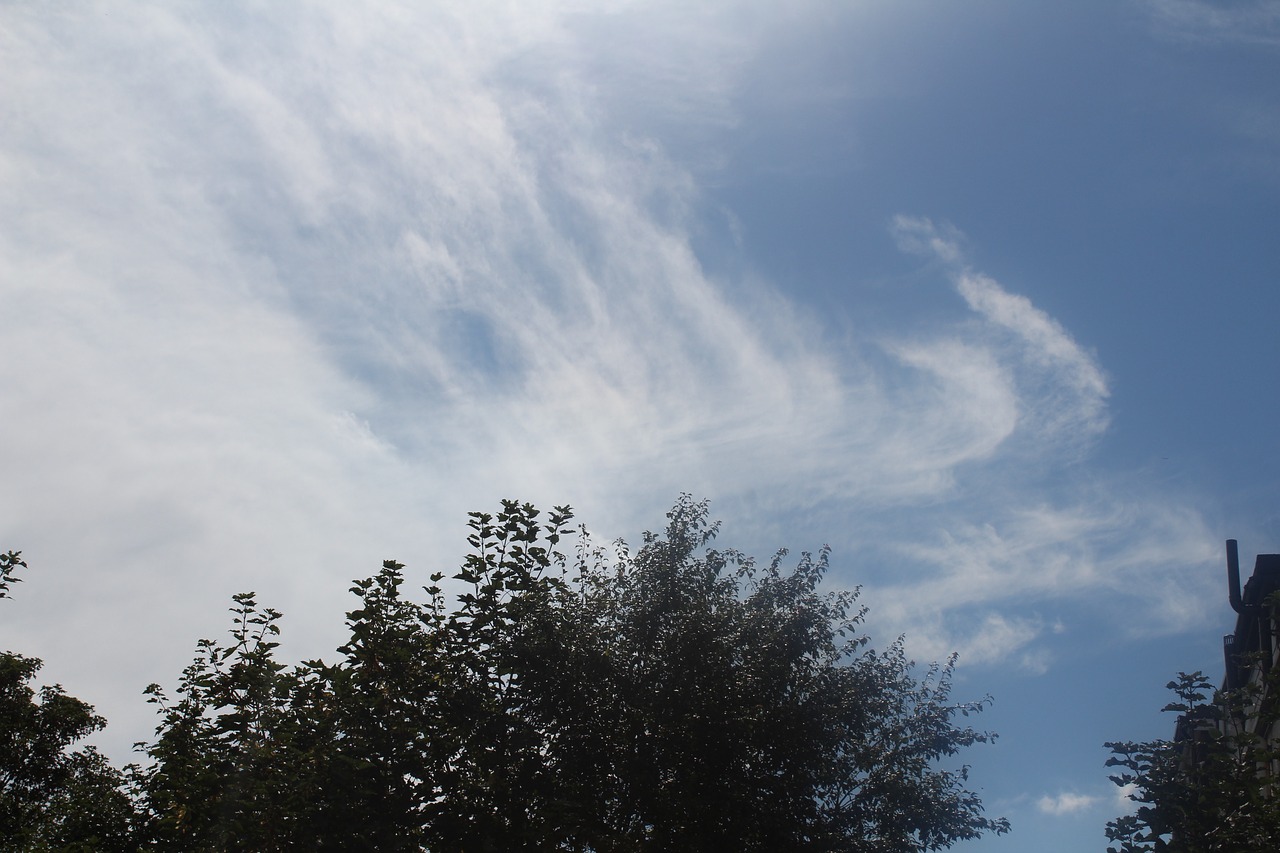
[(981, 294)]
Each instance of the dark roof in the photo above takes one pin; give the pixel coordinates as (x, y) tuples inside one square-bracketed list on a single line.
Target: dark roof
[(1253, 632)]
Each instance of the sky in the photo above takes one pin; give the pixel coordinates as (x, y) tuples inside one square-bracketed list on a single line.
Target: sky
[(980, 294)]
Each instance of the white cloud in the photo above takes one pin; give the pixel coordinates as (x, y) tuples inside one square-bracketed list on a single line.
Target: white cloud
[(920, 236), (289, 292), (1122, 798), (1134, 554), (974, 392), (1049, 346), (983, 638), (1064, 390), (1250, 21), (1065, 804)]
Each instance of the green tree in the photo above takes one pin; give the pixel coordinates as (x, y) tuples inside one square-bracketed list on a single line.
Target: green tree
[(9, 563), (230, 766), (383, 755), (713, 704), (53, 797), (677, 698), (1211, 790), (499, 787)]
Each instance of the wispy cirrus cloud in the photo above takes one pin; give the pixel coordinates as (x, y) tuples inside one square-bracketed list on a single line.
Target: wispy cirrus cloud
[(1038, 543), (1065, 803), (1070, 390), (287, 293), (1251, 21), (988, 589)]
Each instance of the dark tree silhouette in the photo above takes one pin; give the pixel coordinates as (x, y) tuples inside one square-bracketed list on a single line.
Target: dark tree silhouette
[(678, 697), (53, 797), (1213, 789)]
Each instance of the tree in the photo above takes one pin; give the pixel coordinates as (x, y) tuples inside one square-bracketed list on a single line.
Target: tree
[(228, 773), (377, 753), (9, 563), (712, 704), (677, 698), (51, 796), (1213, 788)]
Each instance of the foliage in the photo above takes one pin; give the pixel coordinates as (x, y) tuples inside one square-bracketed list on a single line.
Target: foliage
[(53, 797), (680, 697), (677, 698), (9, 563), (737, 707), (1212, 790), (228, 773)]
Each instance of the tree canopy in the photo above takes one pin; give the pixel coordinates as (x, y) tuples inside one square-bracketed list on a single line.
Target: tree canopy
[(674, 697), (1212, 789), (53, 797)]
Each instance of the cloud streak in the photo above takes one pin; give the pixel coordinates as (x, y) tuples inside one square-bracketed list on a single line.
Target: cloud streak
[(1252, 21), (1065, 804), (289, 292), (1069, 390)]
